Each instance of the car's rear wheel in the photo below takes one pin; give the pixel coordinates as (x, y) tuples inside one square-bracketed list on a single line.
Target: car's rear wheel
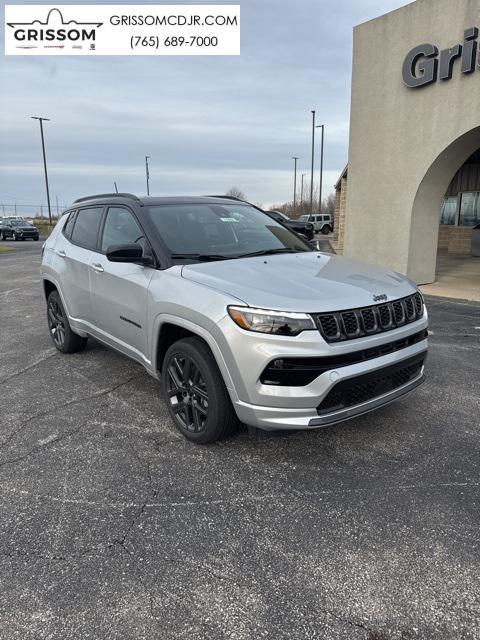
[(61, 333), (14, 236), (325, 229), (195, 393)]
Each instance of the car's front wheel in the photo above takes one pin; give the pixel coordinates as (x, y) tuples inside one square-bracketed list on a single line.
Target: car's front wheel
[(4, 236), (14, 236), (61, 333), (195, 393)]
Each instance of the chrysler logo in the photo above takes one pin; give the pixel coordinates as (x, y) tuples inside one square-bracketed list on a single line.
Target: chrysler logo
[(379, 297)]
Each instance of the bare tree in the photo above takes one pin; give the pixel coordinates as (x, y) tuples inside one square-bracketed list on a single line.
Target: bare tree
[(235, 192), (328, 205)]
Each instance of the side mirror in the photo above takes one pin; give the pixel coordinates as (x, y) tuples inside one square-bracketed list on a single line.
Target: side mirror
[(125, 253)]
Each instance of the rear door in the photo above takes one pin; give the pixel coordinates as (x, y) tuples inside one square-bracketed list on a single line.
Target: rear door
[(120, 290), (74, 251)]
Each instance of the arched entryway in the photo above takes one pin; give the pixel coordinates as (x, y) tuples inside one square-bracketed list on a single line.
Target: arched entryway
[(427, 205)]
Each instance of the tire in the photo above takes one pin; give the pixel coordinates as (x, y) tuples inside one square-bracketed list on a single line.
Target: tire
[(4, 236), (325, 229), (14, 237), (64, 339), (36, 239), (195, 394)]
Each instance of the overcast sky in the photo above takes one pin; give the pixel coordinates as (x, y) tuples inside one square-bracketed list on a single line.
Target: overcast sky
[(208, 123)]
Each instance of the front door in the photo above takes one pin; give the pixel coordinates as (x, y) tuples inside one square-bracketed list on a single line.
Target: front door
[(120, 290)]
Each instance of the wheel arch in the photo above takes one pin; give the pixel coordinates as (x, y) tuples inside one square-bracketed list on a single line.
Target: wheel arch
[(168, 329)]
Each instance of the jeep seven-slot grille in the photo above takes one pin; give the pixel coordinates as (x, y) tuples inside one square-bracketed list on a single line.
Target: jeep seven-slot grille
[(369, 386), (355, 323)]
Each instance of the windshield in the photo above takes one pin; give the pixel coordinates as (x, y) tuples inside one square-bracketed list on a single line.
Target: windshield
[(221, 231)]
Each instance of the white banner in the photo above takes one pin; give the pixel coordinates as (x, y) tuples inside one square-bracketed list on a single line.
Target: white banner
[(119, 30)]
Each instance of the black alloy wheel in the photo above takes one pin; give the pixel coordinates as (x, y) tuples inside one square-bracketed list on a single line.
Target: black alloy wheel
[(56, 322), (187, 393), (61, 333), (195, 393)]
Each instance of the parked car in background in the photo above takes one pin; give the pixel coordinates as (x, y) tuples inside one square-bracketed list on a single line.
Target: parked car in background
[(321, 222), (236, 315), (18, 229), (305, 229)]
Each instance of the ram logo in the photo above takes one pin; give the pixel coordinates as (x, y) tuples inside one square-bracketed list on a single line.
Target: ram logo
[(382, 296)]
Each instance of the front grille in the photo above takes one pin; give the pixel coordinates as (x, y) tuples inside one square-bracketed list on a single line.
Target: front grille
[(355, 323), (369, 386), (298, 372)]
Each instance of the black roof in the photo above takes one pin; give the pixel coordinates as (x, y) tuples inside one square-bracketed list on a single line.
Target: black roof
[(153, 200)]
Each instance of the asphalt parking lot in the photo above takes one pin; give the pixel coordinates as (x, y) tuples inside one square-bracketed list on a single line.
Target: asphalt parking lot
[(113, 526)]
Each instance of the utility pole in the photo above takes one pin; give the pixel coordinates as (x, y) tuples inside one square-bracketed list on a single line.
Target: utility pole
[(147, 173), (116, 188), (322, 127), (295, 158), (301, 191), (58, 212), (41, 120), (15, 209), (313, 161)]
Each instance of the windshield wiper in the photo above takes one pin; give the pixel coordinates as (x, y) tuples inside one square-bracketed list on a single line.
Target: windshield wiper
[(199, 256), (267, 252)]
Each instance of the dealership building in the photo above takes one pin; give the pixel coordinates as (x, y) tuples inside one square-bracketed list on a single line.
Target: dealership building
[(411, 190)]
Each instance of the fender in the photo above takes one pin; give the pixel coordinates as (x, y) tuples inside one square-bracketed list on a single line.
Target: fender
[(164, 318)]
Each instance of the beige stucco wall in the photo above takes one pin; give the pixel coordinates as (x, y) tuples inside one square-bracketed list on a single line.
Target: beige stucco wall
[(406, 144)]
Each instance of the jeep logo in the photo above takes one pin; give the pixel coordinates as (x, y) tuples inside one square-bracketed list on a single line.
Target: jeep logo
[(423, 65), (380, 297)]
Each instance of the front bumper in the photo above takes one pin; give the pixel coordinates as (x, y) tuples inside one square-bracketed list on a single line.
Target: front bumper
[(272, 407)]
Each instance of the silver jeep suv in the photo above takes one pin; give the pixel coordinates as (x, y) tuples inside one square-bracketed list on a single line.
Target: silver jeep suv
[(236, 315)]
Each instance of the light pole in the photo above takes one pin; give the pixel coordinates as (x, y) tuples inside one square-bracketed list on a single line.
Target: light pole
[(313, 162), (45, 163), (147, 173), (322, 127), (295, 158), (301, 191)]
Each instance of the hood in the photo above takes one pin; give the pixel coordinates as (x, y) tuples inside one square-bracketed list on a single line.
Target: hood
[(308, 282)]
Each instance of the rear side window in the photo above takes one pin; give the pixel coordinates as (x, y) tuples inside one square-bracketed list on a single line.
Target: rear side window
[(68, 226), (85, 230)]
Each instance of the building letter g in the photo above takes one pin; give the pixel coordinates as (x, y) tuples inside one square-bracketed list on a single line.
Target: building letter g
[(421, 66)]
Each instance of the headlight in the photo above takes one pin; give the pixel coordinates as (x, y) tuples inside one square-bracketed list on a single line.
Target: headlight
[(284, 323)]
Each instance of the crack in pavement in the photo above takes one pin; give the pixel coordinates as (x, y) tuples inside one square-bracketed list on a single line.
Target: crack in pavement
[(43, 414), (30, 366)]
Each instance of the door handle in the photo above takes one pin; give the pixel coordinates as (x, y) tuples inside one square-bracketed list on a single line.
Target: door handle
[(97, 267), (61, 253)]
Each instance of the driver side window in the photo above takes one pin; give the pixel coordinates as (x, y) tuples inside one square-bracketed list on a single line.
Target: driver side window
[(120, 228)]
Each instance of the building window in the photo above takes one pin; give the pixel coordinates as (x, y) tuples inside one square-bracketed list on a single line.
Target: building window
[(470, 209), (449, 210)]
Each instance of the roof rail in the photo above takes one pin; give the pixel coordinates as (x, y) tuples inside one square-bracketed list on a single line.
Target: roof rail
[(226, 197), (129, 196)]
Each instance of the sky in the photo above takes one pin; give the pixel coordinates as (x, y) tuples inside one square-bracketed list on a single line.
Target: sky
[(208, 123)]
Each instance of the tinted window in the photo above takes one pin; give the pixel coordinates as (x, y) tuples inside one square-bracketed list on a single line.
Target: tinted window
[(85, 230), (120, 228), (68, 226), (225, 229)]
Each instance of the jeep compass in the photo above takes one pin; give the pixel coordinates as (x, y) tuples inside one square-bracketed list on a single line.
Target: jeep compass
[(234, 313)]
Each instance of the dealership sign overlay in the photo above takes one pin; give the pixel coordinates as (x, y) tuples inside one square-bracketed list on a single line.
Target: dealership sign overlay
[(118, 30)]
